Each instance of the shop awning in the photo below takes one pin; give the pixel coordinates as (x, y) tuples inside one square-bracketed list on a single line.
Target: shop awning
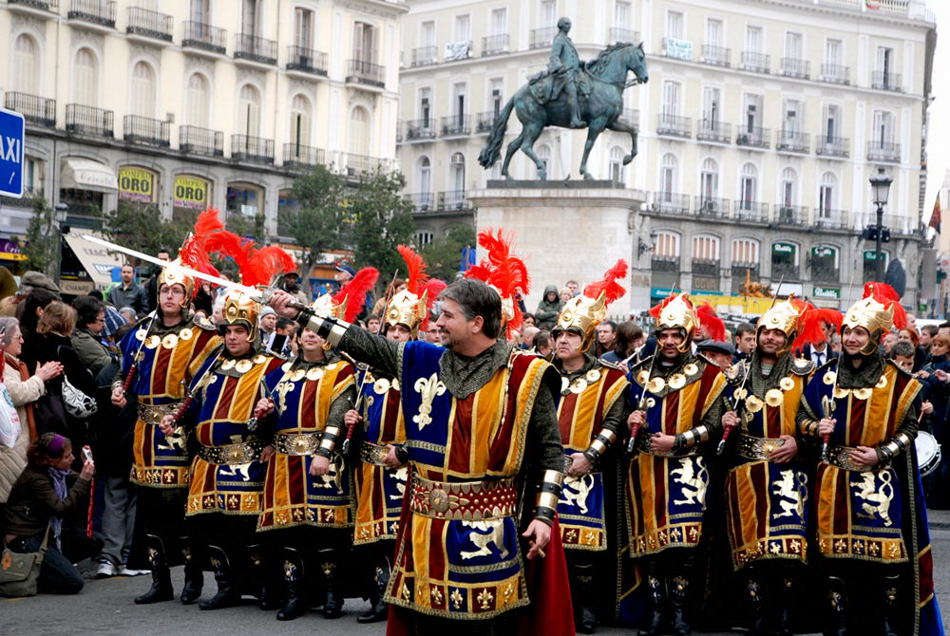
[(97, 260), (86, 174)]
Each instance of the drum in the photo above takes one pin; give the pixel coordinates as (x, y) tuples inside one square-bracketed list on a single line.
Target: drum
[(928, 452)]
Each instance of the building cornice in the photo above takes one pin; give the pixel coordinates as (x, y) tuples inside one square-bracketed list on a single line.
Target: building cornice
[(382, 8)]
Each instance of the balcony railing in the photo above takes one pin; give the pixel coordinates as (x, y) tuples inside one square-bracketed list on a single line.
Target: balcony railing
[(36, 110), (87, 120), (297, 155), (835, 74), (794, 67), (453, 200), (420, 129), (542, 38), (306, 60), (484, 121), (456, 125), (824, 273), (705, 267), (753, 137), (495, 44), (832, 146), (255, 48), (714, 131), (201, 141), (199, 35), (671, 202), (717, 55), (755, 62), (884, 151), (44, 5), (886, 81), (619, 34), (790, 141), (96, 11), (827, 218), (363, 72), (710, 207), (674, 126), (146, 131), (791, 214), (751, 211), (151, 24), (665, 264), (422, 201), (253, 149), (424, 55), (786, 271), (361, 164)]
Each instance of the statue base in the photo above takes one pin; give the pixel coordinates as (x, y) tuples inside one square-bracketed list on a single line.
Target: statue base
[(573, 230)]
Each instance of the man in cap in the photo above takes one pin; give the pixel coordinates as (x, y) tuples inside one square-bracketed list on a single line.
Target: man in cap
[(718, 352), (28, 282)]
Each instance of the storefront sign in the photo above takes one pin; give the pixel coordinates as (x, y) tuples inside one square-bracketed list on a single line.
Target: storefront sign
[(826, 292), (136, 184), (190, 192)]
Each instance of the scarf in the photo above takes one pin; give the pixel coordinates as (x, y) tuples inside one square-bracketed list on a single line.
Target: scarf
[(27, 408), (59, 485)]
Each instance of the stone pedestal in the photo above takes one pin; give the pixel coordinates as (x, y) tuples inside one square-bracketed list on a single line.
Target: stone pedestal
[(565, 230)]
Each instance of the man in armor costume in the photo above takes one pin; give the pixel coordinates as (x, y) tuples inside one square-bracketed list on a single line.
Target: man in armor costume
[(591, 413), (677, 408), (159, 358), (871, 523)]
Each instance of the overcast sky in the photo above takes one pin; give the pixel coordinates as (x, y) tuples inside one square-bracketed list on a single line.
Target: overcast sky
[(938, 140)]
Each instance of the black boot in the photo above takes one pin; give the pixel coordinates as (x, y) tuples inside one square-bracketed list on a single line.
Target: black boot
[(786, 599), (295, 604), (378, 608), (655, 621), (161, 589), (585, 619), (333, 606), (227, 594), (753, 591), (194, 577), (889, 592), (262, 578), (836, 625), (679, 586)]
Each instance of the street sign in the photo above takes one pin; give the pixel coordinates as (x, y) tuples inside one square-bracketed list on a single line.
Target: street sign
[(12, 127)]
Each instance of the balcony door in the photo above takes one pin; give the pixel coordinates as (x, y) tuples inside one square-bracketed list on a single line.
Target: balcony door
[(712, 100)]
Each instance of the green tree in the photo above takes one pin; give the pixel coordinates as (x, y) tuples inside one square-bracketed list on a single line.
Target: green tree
[(42, 248), (317, 222), (444, 254), (382, 219), (142, 228)]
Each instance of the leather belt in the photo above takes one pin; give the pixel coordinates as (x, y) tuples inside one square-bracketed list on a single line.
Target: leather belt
[(297, 443), (759, 448), (644, 445), (840, 456), (231, 454), (466, 500), (152, 414), (374, 454)]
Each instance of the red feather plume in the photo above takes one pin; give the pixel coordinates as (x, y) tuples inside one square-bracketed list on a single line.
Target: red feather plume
[(887, 296), (811, 324), (194, 252), (658, 308), (502, 270), (257, 266), (415, 269), (608, 285), (354, 292), (432, 289), (713, 326)]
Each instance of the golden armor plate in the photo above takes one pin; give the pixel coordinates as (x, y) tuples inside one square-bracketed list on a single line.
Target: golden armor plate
[(381, 386), (786, 384), (152, 342), (774, 397), (186, 334), (243, 366), (297, 375), (169, 341), (881, 383), (829, 377), (677, 381), (691, 369), (314, 374), (655, 385), (140, 334), (593, 375), (754, 404), (227, 365)]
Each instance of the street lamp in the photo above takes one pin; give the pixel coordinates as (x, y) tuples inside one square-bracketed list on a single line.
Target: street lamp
[(880, 186)]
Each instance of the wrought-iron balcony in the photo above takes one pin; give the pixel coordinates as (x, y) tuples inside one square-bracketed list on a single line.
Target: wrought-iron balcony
[(886, 81), (786, 271), (363, 72), (711, 207), (542, 38), (827, 218), (198, 35), (36, 110), (89, 121), (495, 44), (252, 149), (484, 121), (665, 264), (420, 129), (299, 156), (619, 34), (884, 151), (151, 24), (456, 125), (422, 201), (826, 146), (361, 164), (717, 55), (824, 273), (714, 131), (755, 62), (753, 137), (255, 49), (194, 140), (424, 55), (671, 202), (453, 200), (790, 141), (51, 6), (674, 126), (146, 131), (794, 67), (705, 267), (306, 60), (101, 12), (791, 214), (835, 74), (751, 211)]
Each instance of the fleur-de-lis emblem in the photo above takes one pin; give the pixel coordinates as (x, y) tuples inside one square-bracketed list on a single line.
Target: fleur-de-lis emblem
[(429, 388), (485, 598), (436, 595), (456, 597), (282, 390)]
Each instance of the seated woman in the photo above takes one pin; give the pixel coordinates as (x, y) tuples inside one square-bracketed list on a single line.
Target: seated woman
[(39, 501)]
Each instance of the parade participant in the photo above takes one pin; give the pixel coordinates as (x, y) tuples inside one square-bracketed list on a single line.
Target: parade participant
[(591, 412), (767, 485), (159, 357), (479, 413), (677, 407), (870, 517), (380, 478), (308, 503)]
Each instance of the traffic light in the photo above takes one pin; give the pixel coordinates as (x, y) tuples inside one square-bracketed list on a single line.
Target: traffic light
[(885, 235), (869, 233)]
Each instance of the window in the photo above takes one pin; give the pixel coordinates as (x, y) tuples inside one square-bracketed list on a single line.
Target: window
[(249, 111), (784, 260), (463, 27), (616, 165), (300, 111), (544, 154), (142, 90), (364, 42), (496, 92), (753, 39), (33, 177), (303, 28), (196, 101), (667, 245), (793, 45), (705, 247), (499, 21), (86, 78), (249, 17), (668, 176), (831, 122), (26, 65), (423, 238), (709, 183), (622, 14), (674, 25), (788, 187), (548, 14), (748, 186), (712, 98), (425, 107), (745, 252), (714, 32), (458, 103), (883, 132), (244, 199), (792, 117), (671, 99), (833, 52), (885, 60), (427, 34), (201, 11), (424, 175), (826, 195), (824, 263), (753, 112), (359, 131), (457, 172)]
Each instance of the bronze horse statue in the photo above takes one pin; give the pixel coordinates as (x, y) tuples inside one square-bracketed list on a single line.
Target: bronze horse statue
[(600, 109)]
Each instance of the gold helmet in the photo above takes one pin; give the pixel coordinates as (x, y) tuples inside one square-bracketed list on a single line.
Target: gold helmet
[(326, 307), (172, 275), (783, 316), (346, 304), (676, 312), (408, 309), (241, 309), (878, 312), (583, 313)]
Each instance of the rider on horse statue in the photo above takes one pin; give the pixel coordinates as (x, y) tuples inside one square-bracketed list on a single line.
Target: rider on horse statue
[(567, 72)]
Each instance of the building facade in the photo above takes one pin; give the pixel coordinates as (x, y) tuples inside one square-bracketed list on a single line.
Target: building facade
[(181, 104), (758, 131)]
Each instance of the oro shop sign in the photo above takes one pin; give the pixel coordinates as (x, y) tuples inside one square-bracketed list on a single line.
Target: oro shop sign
[(136, 184)]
